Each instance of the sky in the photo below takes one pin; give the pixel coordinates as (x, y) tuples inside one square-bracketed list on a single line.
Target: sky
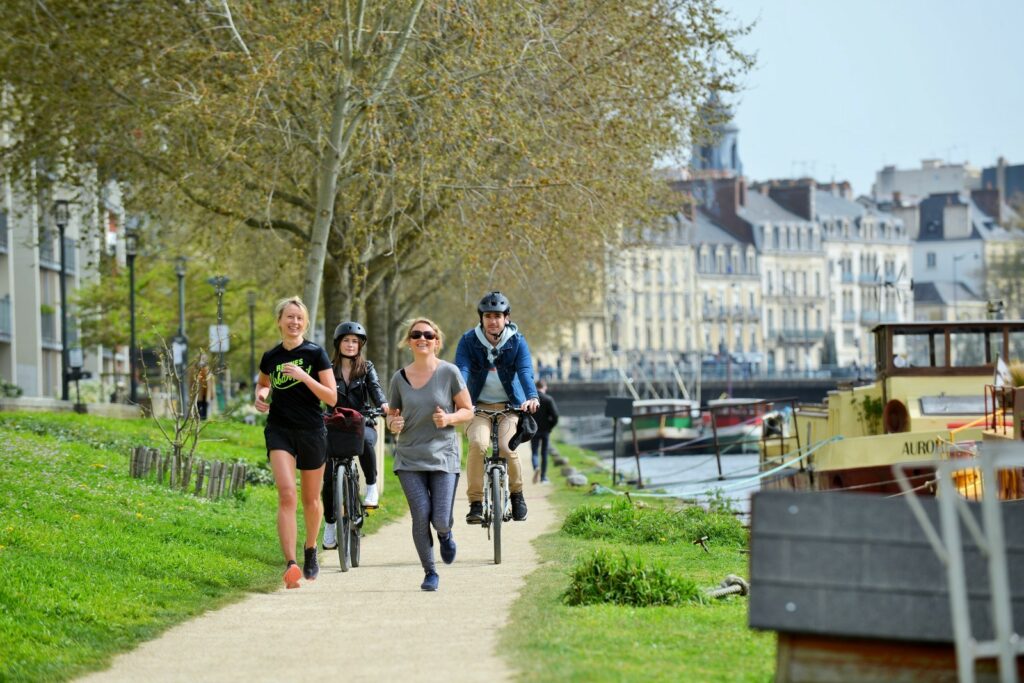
[(843, 88)]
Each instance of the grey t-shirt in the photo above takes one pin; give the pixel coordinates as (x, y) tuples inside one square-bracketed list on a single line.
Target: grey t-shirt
[(421, 446)]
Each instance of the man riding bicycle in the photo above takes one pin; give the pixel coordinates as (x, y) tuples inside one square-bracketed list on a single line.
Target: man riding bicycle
[(495, 362)]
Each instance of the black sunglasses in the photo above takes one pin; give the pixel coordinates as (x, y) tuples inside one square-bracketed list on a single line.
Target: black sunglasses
[(427, 334)]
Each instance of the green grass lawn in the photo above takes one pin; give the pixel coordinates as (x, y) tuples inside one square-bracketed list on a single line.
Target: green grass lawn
[(95, 562), (551, 641)]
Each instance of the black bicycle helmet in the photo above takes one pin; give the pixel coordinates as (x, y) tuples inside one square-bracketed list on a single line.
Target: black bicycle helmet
[(494, 302), (349, 327)]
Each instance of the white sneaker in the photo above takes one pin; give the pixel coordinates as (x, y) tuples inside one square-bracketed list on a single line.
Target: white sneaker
[(330, 536), (370, 500)]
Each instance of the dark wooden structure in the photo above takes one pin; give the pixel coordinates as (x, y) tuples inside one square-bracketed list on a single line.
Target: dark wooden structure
[(856, 593)]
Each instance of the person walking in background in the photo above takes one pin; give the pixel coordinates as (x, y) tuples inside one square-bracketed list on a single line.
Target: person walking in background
[(358, 388), (427, 399), (495, 363), (547, 418), (300, 376), (203, 388)]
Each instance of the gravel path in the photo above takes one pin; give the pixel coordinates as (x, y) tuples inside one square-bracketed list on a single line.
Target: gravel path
[(371, 623)]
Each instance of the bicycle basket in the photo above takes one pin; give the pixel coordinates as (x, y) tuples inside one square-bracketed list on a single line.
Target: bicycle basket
[(344, 432)]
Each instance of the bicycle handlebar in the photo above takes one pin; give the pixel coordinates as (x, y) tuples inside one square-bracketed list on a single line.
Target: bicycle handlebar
[(483, 412)]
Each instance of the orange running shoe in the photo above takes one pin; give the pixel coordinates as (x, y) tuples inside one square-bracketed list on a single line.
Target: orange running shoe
[(292, 575)]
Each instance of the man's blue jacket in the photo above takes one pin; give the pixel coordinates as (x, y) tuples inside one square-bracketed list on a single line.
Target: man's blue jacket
[(513, 363)]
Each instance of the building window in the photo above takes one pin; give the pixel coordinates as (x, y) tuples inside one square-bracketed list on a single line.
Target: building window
[(930, 259)]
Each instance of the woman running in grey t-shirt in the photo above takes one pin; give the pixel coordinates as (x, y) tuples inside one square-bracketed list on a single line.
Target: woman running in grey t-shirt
[(427, 398)]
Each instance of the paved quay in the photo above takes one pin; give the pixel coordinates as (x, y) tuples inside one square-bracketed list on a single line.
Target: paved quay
[(372, 622)]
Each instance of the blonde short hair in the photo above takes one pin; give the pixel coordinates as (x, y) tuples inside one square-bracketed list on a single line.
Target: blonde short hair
[(291, 301), (426, 321)]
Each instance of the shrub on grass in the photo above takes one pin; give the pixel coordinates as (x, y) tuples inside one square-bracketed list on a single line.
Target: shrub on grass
[(607, 578), (623, 521)]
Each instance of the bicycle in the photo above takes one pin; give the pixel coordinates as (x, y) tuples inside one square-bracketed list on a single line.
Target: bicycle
[(496, 491), (348, 506)]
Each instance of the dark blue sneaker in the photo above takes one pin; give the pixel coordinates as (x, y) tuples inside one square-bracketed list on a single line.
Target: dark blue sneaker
[(447, 547), (430, 581)]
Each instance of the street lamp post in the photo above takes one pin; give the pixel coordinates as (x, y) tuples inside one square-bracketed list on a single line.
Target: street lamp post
[(251, 299), (181, 341), (131, 249), (220, 283), (60, 215)]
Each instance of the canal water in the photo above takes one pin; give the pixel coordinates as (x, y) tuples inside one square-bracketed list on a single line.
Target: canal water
[(694, 476)]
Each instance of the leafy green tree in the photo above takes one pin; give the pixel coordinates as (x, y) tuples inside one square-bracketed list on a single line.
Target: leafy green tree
[(405, 151)]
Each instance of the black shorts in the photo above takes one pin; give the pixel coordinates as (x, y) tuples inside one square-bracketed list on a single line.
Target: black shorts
[(307, 446)]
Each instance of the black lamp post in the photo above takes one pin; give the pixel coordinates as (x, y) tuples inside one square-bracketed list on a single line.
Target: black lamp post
[(220, 283), (180, 343), (60, 216), (131, 249), (251, 298)]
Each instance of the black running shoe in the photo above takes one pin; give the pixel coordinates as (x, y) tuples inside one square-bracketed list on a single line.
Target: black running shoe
[(518, 507), (310, 567), (476, 513)]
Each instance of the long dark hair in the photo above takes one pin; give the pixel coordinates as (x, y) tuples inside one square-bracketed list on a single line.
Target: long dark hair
[(358, 362)]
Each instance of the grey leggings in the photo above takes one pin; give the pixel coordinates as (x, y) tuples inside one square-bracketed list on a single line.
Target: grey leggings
[(431, 497)]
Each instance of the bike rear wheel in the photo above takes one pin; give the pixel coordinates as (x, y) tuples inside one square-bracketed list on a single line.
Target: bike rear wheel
[(355, 507), (344, 522), (497, 505)]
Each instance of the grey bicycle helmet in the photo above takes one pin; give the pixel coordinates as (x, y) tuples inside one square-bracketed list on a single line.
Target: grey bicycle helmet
[(494, 302), (350, 327)]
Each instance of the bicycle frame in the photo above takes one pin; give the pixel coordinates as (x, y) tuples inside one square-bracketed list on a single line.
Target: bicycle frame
[(348, 506), (495, 466)]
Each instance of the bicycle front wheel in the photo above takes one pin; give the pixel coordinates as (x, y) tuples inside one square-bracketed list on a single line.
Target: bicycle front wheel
[(344, 522), (355, 507), (497, 505)]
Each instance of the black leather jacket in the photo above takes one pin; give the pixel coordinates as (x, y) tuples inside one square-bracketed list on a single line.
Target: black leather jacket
[(363, 393)]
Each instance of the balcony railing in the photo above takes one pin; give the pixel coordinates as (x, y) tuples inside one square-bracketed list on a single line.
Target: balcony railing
[(47, 254), (800, 335), (48, 324), (869, 317), (49, 251), (849, 316), (6, 331), (846, 277), (70, 255)]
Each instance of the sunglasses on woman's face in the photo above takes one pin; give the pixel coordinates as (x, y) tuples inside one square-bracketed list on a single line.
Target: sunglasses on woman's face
[(426, 334)]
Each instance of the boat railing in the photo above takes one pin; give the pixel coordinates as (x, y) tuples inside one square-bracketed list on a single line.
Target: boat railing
[(999, 409)]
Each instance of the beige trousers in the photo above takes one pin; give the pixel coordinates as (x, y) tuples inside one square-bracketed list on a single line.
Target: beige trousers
[(479, 434)]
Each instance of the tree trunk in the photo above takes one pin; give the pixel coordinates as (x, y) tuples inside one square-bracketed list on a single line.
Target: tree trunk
[(345, 121)]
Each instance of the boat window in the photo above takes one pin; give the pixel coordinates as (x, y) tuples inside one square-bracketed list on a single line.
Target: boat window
[(916, 352), (968, 349), (995, 341), (1016, 345)]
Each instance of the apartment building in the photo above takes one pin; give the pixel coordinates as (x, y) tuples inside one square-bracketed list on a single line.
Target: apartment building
[(868, 253), (31, 260)]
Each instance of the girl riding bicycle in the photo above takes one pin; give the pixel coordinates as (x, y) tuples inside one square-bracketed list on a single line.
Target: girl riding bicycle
[(358, 388), (428, 397)]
